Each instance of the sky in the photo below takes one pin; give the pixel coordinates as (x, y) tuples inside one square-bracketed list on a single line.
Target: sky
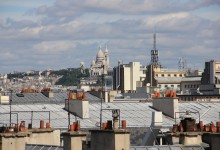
[(59, 34)]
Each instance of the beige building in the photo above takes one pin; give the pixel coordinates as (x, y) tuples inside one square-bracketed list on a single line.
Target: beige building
[(127, 77), (156, 76)]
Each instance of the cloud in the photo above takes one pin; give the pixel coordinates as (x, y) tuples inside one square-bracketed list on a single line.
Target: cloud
[(53, 47), (68, 32), (74, 8)]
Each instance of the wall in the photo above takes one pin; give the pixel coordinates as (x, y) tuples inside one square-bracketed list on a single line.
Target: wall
[(73, 140), (12, 143), (44, 136), (110, 140), (189, 87), (127, 78), (4, 99), (111, 95), (135, 74), (17, 141), (212, 139), (167, 105)]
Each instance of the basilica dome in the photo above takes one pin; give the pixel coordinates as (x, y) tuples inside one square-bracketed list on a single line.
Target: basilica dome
[(100, 55)]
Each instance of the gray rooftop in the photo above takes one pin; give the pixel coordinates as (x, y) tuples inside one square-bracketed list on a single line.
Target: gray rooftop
[(167, 147), (136, 114), (171, 80), (191, 79), (42, 147), (40, 98)]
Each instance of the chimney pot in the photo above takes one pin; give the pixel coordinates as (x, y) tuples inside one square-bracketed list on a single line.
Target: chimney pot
[(109, 124), (71, 128), (47, 125), (104, 125), (123, 122), (29, 126), (42, 124)]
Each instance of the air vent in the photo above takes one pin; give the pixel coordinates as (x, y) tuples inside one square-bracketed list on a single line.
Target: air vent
[(20, 95)]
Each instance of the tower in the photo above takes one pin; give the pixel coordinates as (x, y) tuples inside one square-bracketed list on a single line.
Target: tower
[(155, 54), (182, 63), (106, 57)]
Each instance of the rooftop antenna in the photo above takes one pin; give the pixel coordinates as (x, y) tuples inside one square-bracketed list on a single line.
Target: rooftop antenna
[(155, 53), (155, 41)]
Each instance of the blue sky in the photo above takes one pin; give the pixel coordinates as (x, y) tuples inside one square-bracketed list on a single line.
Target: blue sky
[(56, 34)]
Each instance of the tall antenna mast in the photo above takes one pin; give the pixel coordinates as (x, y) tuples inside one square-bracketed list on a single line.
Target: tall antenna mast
[(155, 53), (154, 41)]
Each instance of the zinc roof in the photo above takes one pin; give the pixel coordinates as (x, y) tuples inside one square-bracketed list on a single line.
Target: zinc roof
[(136, 114)]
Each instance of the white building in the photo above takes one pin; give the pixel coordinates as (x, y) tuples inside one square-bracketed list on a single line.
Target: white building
[(127, 77), (101, 65)]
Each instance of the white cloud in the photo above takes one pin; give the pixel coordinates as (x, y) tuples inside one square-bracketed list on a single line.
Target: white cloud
[(70, 31), (53, 47)]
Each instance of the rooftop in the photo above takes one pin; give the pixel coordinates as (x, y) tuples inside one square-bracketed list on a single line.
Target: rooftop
[(137, 114)]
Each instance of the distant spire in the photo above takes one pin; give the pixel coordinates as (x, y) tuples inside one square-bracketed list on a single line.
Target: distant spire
[(106, 48), (100, 47), (155, 41)]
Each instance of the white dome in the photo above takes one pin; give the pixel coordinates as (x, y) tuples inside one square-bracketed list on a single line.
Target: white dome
[(100, 54)]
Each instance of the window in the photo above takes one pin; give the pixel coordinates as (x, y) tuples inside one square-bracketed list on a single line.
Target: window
[(162, 75), (172, 85), (174, 75), (168, 75), (180, 75), (166, 85)]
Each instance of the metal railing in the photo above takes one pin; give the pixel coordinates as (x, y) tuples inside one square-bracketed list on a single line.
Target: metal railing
[(18, 112), (10, 119)]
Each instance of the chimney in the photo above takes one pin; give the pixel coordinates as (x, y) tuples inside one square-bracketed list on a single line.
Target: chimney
[(115, 115), (73, 139), (15, 139), (168, 105), (79, 107), (47, 92), (109, 138), (4, 99), (187, 132)]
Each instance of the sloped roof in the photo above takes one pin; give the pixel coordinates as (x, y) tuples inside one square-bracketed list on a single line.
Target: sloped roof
[(188, 79), (167, 147), (174, 80), (136, 114), (40, 98)]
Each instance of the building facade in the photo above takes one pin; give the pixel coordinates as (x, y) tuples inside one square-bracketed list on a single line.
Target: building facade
[(210, 82), (156, 76), (127, 77)]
